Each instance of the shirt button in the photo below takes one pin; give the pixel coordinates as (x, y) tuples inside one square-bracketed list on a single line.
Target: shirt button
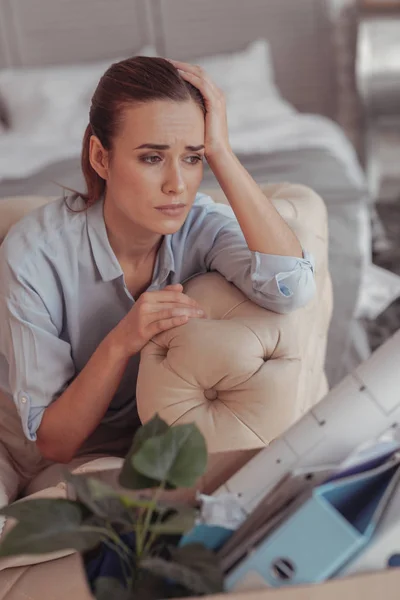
[(24, 399)]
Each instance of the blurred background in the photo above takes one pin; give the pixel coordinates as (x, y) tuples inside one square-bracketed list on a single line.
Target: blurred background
[(378, 68), (313, 97)]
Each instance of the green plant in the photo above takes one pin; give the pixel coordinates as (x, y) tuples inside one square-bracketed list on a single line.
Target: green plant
[(161, 458)]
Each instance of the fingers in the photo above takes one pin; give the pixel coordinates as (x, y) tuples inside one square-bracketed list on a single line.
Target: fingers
[(203, 84), (195, 75), (170, 298), (174, 286), (161, 316), (168, 295), (168, 319), (165, 324), (169, 313), (187, 67), (154, 308)]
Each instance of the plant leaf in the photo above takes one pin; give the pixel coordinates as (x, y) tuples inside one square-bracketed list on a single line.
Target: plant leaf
[(104, 502), (107, 588), (130, 502), (179, 456), (182, 521), (47, 525), (129, 477)]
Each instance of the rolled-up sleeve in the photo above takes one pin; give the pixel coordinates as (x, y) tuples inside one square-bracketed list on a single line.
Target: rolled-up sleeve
[(290, 280), (278, 283), (39, 361)]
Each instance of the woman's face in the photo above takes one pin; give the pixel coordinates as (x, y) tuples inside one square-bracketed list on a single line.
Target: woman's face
[(156, 165)]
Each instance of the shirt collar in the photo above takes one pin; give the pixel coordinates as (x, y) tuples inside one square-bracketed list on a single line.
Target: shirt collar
[(105, 259)]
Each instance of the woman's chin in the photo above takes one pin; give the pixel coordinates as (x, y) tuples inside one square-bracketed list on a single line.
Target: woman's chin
[(168, 225), (170, 229)]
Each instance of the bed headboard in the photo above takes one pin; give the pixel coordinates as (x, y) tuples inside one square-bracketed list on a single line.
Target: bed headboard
[(301, 33), (43, 32)]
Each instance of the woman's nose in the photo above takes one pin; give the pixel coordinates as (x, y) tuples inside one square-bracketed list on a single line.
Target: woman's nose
[(174, 183)]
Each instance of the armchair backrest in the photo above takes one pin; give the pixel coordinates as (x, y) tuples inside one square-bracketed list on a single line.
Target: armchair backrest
[(13, 209)]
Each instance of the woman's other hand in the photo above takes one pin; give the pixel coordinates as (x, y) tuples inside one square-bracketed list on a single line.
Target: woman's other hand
[(153, 313), (216, 123)]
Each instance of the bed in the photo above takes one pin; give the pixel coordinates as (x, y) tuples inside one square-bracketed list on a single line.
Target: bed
[(318, 142)]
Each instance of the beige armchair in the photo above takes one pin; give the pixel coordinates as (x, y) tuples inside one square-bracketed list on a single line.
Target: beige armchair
[(244, 376)]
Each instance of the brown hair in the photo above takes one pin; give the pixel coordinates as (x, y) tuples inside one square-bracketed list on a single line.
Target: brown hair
[(138, 79)]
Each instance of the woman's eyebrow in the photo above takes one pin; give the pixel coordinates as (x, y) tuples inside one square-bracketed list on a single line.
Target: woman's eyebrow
[(166, 147)]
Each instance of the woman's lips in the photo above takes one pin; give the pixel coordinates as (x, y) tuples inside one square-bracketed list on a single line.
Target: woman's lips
[(172, 210)]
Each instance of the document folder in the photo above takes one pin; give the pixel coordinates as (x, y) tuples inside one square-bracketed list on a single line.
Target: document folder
[(334, 523)]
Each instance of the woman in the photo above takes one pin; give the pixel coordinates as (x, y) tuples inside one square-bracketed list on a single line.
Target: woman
[(88, 280)]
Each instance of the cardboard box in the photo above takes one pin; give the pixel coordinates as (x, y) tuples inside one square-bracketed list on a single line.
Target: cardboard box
[(369, 586)]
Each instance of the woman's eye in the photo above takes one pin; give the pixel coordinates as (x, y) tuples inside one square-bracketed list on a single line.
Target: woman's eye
[(152, 160), (193, 160)]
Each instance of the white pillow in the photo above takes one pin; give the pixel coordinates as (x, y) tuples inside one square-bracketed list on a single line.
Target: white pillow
[(48, 101), (49, 107), (247, 79), (51, 100)]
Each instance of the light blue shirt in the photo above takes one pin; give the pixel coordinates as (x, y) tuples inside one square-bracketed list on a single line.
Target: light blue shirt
[(62, 290)]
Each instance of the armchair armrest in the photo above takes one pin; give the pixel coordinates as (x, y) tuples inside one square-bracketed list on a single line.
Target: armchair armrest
[(245, 374)]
